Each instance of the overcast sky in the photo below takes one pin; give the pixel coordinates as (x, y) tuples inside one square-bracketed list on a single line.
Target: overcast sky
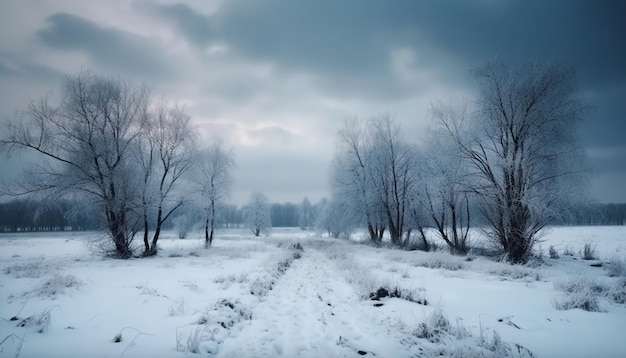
[(275, 79)]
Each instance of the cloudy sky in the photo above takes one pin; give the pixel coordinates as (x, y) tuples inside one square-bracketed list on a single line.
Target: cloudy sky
[(275, 78)]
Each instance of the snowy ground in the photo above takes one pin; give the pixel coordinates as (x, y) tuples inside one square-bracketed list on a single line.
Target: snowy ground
[(294, 294)]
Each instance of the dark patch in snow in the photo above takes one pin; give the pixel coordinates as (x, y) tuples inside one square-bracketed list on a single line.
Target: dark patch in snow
[(397, 293)]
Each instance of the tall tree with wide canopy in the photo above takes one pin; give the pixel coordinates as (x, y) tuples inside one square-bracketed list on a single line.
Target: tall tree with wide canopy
[(86, 140), (521, 142)]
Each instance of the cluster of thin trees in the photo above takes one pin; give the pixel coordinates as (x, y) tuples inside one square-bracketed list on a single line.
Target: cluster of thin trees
[(109, 145), (511, 155)]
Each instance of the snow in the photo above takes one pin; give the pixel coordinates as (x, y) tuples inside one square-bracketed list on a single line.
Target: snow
[(266, 297)]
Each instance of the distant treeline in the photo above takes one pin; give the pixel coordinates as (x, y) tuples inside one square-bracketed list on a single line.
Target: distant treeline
[(34, 215), (597, 214)]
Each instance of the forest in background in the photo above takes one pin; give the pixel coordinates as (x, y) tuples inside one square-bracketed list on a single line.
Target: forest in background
[(27, 215)]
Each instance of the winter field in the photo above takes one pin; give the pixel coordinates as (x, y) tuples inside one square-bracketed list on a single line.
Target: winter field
[(295, 294)]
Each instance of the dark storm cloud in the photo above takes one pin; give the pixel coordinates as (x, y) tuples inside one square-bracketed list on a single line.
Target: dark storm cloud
[(194, 26), (119, 50), (347, 43), (346, 47), (354, 36)]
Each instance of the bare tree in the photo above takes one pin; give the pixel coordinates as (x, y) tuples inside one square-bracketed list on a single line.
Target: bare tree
[(445, 196), (257, 214), (333, 219), (170, 148), (86, 140), (523, 148), (214, 179), (392, 160), (352, 183), (372, 175)]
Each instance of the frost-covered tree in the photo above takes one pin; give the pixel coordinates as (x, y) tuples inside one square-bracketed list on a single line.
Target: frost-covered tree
[(352, 183), (86, 140), (166, 154), (186, 220), (214, 180), (446, 193), (307, 214), (333, 219), (372, 175), (391, 169), (257, 214), (521, 142)]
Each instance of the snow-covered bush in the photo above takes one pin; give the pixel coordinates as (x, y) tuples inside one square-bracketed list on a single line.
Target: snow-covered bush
[(213, 327), (553, 253), (448, 340), (228, 280), (194, 338), (515, 272), (579, 293), (441, 260), (183, 224), (437, 327), (589, 252), (618, 292), (616, 267)]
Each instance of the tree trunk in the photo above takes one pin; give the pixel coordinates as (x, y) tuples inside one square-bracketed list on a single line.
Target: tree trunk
[(212, 222), (145, 234), (157, 232), (206, 232)]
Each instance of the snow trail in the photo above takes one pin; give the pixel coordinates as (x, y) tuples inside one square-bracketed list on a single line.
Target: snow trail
[(311, 312)]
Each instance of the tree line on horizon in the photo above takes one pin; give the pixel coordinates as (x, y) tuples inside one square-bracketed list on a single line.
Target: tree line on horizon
[(29, 215), (32, 215)]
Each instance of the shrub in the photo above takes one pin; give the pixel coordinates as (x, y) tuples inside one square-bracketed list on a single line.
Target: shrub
[(553, 253), (441, 260), (437, 326), (579, 293), (618, 292), (457, 341), (589, 252), (616, 267)]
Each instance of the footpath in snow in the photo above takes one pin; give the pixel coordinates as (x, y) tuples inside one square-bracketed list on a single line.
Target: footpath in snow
[(311, 312)]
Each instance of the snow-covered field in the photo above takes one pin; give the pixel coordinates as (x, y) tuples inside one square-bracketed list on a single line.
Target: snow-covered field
[(294, 294)]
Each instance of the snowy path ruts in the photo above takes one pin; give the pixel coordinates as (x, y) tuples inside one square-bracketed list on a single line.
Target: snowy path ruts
[(311, 312)]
